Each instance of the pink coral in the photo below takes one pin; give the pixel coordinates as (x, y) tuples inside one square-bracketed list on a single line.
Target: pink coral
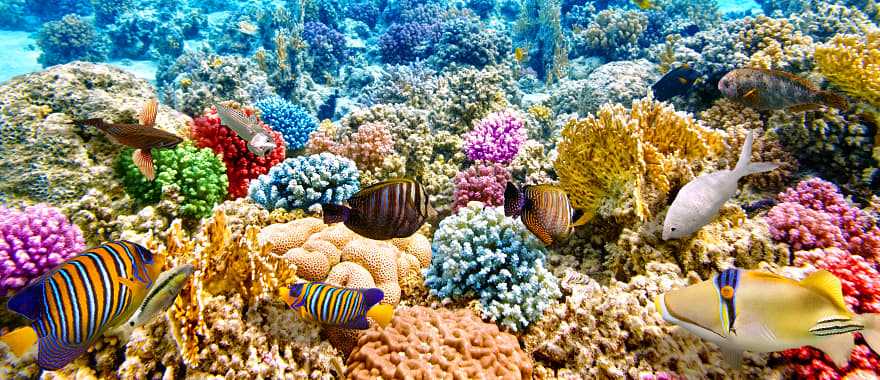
[(241, 164), (496, 138), (804, 228), (482, 182), (369, 146)]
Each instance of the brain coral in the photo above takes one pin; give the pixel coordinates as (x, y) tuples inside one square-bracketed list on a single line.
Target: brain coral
[(423, 343), (198, 174), (479, 253), (291, 120), (242, 165), (634, 156), (32, 241), (299, 183)]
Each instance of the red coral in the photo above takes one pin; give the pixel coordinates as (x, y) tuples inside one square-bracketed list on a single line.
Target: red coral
[(241, 164)]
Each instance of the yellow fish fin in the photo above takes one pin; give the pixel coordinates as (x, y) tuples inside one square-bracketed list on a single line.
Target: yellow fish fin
[(583, 219), (838, 347), (381, 313), (761, 275), (284, 293), (128, 283), (682, 80), (20, 340), (827, 284)]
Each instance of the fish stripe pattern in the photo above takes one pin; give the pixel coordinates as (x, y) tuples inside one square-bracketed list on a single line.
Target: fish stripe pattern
[(550, 212), (726, 283), (329, 304), (389, 209), (85, 295)]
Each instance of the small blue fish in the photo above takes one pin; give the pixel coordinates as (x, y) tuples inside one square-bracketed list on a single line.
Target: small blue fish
[(71, 306), (342, 307)]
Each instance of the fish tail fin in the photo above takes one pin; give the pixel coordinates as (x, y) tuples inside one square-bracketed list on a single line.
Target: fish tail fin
[(143, 159), (334, 213), (381, 313), (745, 166), (20, 340), (871, 333), (833, 100), (514, 200)]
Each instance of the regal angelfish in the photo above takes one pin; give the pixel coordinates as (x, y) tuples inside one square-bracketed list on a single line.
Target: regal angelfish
[(342, 307), (745, 310)]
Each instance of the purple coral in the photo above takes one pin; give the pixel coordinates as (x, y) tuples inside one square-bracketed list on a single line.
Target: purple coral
[(815, 215), (32, 241), (496, 138), (483, 182), (407, 42)]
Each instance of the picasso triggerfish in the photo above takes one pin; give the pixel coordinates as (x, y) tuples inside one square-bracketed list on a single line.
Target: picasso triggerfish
[(72, 305), (746, 310), (341, 307)]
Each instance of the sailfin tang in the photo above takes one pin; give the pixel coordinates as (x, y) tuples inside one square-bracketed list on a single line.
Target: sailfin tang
[(513, 200), (334, 213)]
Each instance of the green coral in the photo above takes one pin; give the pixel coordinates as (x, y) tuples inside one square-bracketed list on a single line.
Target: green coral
[(198, 174)]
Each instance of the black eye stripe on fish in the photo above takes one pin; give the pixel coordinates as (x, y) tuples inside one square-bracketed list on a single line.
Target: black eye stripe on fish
[(726, 284)]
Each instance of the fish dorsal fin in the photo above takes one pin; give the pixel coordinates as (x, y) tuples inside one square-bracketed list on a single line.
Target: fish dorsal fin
[(148, 115), (785, 74), (28, 301), (379, 185), (827, 284)]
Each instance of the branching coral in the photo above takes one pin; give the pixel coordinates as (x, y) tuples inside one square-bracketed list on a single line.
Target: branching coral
[(299, 183), (242, 165), (32, 241), (438, 344), (613, 33), (495, 138), (70, 39), (368, 146), (634, 157), (775, 44), (467, 95), (465, 41), (482, 182), (291, 120), (852, 63), (478, 253), (407, 42), (615, 82), (198, 174)]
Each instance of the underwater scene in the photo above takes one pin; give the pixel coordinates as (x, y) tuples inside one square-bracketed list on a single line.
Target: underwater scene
[(439, 189)]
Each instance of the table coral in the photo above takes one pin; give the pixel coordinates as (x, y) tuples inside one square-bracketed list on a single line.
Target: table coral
[(852, 63), (291, 120), (242, 165), (437, 344), (198, 174), (495, 138), (299, 183), (483, 182), (32, 241), (635, 157), (479, 253)]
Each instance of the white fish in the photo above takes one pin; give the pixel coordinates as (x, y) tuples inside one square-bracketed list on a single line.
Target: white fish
[(247, 127), (161, 295), (698, 202), (748, 310)]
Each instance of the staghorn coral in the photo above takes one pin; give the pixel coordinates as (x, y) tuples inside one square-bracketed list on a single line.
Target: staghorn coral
[(33, 240), (478, 253), (242, 165), (437, 344), (613, 332), (299, 183), (482, 182), (636, 157), (852, 63), (495, 138)]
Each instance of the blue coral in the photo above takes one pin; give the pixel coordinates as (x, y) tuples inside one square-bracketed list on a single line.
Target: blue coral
[(327, 48), (402, 43), (466, 41), (301, 182), (289, 119), (69, 39), (478, 252)]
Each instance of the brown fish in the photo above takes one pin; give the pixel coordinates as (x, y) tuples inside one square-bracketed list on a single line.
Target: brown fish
[(395, 208), (545, 210), (143, 137), (766, 90)]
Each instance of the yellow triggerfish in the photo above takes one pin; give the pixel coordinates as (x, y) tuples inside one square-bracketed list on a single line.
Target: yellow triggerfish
[(746, 310)]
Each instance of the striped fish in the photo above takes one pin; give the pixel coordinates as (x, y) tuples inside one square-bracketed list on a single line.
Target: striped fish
[(545, 210), (72, 305), (342, 307), (248, 128), (726, 283), (391, 209)]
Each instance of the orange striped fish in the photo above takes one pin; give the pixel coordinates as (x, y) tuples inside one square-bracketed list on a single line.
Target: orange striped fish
[(545, 210), (391, 209), (342, 307), (143, 137), (71, 306)]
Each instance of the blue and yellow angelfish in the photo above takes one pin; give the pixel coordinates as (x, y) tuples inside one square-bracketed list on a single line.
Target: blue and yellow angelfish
[(72, 305), (336, 306)]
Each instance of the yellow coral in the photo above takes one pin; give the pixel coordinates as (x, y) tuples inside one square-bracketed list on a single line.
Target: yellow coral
[(775, 44), (616, 159), (852, 63)]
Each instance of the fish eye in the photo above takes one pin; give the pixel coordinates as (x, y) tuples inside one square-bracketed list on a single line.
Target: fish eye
[(673, 229)]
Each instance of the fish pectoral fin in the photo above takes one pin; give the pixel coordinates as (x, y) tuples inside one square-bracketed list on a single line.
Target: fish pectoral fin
[(143, 159), (837, 347), (733, 357), (128, 283), (753, 329), (751, 94)]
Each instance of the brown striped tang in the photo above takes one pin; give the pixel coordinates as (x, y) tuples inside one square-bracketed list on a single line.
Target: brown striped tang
[(395, 208)]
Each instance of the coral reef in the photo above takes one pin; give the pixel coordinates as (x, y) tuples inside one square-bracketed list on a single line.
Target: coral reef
[(198, 175), (495, 138), (483, 182), (435, 344), (851, 63), (291, 120), (478, 253), (464, 41), (616, 82), (242, 165), (299, 183), (32, 241), (70, 39)]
